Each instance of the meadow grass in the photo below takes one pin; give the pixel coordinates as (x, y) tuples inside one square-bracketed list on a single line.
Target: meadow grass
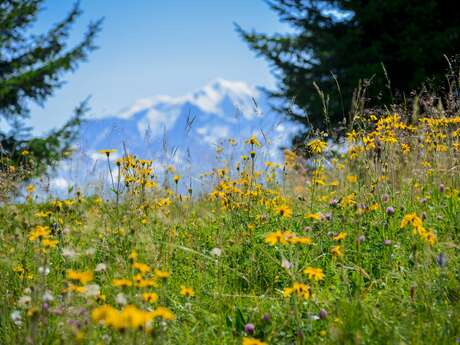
[(355, 247)]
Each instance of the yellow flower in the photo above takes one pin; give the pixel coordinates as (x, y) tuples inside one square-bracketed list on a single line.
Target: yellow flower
[(430, 238), (122, 282), (130, 317), (82, 277), (164, 313), (411, 219), (42, 214), (405, 148), (337, 251), (133, 256), (348, 200), (374, 207), (135, 318), (314, 216), (299, 240), (252, 341), (141, 267), (30, 188), (162, 274), (150, 297), (47, 243), (40, 232), (316, 146), (340, 236), (352, 136), (284, 211), (187, 292), (74, 288), (352, 178), (314, 273), (253, 141), (300, 289), (141, 283), (276, 237), (107, 152), (176, 179)]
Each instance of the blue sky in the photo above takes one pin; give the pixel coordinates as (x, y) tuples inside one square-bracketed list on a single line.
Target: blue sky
[(150, 47)]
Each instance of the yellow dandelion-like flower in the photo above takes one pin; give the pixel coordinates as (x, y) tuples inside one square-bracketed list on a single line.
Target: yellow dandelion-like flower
[(163, 313), (284, 211), (352, 178), (411, 219), (352, 136), (317, 146), (40, 232), (299, 289), (314, 216), (141, 267), (314, 273), (299, 240), (82, 277), (187, 291), (337, 251), (144, 283), (430, 237), (30, 188), (253, 141), (281, 237), (340, 236), (48, 243), (133, 256), (162, 274), (122, 282), (252, 341), (150, 297), (107, 152)]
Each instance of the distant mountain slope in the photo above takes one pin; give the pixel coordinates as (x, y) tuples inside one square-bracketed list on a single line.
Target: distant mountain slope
[(186, 130)]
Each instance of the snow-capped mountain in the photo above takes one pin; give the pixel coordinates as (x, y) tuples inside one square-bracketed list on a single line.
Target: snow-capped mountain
[(186, 131)]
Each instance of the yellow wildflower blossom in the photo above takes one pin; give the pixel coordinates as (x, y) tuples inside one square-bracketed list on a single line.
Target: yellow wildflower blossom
[(187, 292), (82, 277), (314, 273), (252, 341)]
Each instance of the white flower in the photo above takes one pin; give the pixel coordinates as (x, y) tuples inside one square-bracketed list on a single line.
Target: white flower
[(44, 270), (216, 251), (27, 291), (24, 301), (286, 264), (92, 290), (121, 299), (101, 267), (68, 253), (47, 296), (16, 317)]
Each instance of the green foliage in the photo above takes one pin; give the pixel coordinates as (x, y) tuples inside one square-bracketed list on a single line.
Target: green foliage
[(386, 49), (393, 213), (31, 68)]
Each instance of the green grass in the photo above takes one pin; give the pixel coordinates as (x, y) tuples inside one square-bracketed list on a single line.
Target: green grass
[(389, 287)]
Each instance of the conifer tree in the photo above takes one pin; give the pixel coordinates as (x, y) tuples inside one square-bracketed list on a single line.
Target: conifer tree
[(31, 69), (388, 48)]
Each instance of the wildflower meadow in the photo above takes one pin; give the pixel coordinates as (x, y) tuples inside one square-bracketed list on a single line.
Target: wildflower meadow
[(356, 244)]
